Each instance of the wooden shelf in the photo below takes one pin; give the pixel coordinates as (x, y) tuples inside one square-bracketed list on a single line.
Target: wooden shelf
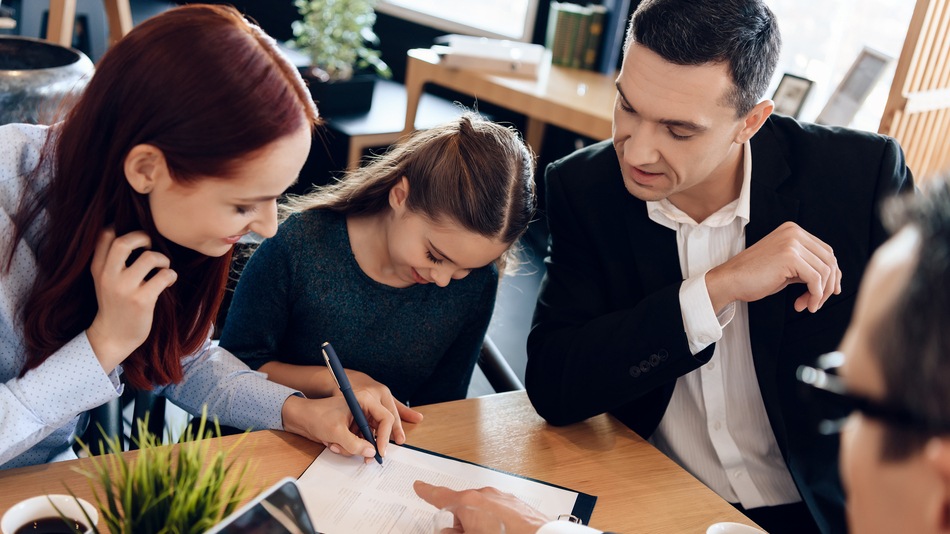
[(577, 100)]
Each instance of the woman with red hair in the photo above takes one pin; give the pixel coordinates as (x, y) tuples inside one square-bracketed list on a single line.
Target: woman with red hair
[(117, 231)]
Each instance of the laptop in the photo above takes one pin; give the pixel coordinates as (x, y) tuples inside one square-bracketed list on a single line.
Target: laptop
[(277, 510)]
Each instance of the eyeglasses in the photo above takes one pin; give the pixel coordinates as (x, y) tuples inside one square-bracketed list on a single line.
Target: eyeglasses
[(829, 394)]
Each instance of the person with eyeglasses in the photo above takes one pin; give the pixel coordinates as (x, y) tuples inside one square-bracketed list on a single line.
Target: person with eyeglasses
[(891, 395), (886, 390)]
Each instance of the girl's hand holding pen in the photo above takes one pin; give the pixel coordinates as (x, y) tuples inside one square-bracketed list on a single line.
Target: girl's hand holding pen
[(317, 382), (361, 382), (330, 422), (354, 404)]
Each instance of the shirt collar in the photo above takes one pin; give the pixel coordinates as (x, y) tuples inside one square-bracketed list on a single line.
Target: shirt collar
[(663, 211)]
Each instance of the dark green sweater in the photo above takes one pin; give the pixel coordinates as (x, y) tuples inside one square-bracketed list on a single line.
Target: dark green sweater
[(303, 287)]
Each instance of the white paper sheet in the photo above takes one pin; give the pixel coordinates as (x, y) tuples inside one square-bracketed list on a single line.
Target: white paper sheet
[(344, 495)]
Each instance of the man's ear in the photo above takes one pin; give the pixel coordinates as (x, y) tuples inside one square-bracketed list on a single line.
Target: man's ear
[(938, 455), (144, 166), (754, 120), (937, 452), (398, 195)]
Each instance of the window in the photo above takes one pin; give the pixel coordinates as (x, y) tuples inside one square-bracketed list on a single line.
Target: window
[(822, 38)]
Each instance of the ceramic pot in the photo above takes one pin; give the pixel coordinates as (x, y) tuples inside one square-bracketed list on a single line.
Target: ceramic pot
[(334, 98), (39, 79)]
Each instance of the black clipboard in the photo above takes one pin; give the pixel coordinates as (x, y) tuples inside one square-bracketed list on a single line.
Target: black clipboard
[(583, 504)]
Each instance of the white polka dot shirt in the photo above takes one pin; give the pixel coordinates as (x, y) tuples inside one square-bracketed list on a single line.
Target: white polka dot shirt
[(40, 412)]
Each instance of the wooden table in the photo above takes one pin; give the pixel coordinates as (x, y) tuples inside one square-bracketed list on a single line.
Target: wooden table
[(637, 488), (578, 100)]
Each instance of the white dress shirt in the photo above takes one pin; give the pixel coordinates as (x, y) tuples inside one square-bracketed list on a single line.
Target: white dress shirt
[(566, 527), (40, 412), (716, 426)]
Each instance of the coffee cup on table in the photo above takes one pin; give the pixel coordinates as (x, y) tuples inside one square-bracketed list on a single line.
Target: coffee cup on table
[(39, 515), (732, 528)]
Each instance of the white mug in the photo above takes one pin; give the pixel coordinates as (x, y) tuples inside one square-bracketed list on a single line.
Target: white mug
[(41, 507), (732, 528)]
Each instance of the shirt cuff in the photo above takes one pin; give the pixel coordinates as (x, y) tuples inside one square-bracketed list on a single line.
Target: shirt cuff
[(70, 381), (703, 327), (274, 395), (566, 527)]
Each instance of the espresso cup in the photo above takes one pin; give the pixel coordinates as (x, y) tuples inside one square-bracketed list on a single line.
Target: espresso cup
[(41, 507)]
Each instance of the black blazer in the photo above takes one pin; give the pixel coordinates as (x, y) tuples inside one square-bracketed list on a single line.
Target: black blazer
[(608, 333)]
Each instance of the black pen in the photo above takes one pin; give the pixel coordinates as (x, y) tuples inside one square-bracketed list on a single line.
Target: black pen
[(336, 371)]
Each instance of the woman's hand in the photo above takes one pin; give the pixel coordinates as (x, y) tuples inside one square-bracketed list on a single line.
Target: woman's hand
[(330, 422), (126, 299), (363, 382)]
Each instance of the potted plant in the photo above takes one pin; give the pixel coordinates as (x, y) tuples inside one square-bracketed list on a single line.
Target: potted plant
[(164, 490), (337, 36)]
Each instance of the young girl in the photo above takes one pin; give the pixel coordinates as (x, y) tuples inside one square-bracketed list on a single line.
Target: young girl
[(395, 265), (117, 227)]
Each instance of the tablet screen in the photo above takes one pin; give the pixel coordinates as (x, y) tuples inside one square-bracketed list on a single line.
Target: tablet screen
[(279, 510)]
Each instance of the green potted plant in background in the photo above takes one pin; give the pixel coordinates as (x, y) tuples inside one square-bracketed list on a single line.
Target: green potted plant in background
[(337, 37)]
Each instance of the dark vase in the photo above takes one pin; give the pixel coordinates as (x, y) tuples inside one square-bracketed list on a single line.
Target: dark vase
[(39, 79), (341, 97)]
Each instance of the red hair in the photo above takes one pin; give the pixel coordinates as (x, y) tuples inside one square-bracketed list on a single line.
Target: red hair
[(206, 88)]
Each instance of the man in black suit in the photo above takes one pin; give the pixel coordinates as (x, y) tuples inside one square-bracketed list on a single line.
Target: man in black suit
[(703, 255), (887, 387)]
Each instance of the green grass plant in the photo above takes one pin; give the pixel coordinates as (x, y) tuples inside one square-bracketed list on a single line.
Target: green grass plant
[(165, 490)]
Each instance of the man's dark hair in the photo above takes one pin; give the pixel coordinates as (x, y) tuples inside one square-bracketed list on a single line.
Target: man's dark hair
[(913, 347), (741, 33)]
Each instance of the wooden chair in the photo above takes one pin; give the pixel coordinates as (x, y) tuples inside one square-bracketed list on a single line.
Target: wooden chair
[(917, 113), (62, 17)]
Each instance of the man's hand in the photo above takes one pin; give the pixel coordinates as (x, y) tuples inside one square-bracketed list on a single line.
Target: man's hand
[(477, 505), (788, 255)]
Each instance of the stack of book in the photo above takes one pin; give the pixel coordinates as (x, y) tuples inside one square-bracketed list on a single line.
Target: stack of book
[(575, 34), (511, 58), (7, 22)]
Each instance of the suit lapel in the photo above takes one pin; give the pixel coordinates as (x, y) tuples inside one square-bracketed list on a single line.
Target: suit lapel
[(657, 260), (768, 210), (654, 248)]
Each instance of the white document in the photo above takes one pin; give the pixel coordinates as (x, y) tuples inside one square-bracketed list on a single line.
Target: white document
[(344, 495)]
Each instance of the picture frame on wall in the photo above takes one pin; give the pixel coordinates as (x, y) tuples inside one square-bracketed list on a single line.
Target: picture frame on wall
[(857, 84), (790, 95)]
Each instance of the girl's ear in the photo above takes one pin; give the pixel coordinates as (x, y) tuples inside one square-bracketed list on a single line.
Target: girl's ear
[(398, 195), (144, 166)]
